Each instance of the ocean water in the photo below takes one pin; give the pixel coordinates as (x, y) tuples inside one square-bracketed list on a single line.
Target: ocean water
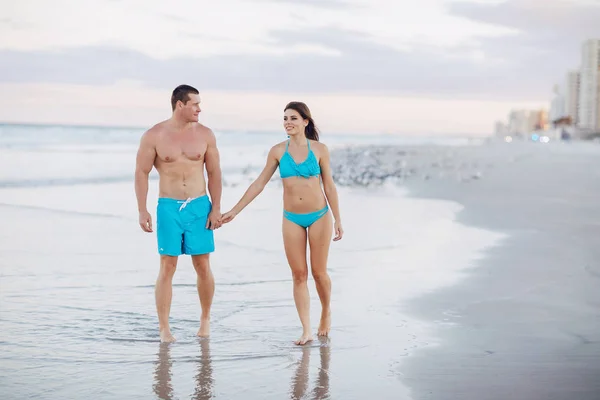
[(77, 314)]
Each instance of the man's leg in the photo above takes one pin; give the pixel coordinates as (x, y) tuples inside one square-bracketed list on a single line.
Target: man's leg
[(163, 293), (205, 283)]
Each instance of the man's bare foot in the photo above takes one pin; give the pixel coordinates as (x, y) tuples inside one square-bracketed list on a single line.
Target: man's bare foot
[(166, 337), (325, 324), (204, 330), (305, 338)]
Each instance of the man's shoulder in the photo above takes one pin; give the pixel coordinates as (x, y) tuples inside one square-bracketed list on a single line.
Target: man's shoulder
[(150, 136), (204, 131), (198, 127), (156, 129)]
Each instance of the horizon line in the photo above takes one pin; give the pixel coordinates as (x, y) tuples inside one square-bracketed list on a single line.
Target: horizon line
[(134, 127)]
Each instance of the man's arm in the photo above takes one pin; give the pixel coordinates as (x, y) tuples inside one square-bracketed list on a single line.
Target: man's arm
[(215, 184), (143, 165)]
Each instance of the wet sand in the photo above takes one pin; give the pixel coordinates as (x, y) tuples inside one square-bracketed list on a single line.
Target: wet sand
[(77, 291), (499, 304), (525, 322)]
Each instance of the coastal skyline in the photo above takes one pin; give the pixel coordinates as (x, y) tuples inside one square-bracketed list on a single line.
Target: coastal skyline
[(443, 67), (574, 110)]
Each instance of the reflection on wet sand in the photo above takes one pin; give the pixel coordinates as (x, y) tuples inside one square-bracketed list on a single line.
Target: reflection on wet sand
[(299, 388), (204, 377), (162, 373), (162, 386), (300, 379)]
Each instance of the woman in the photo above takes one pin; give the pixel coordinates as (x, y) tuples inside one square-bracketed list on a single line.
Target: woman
[(303, 163)]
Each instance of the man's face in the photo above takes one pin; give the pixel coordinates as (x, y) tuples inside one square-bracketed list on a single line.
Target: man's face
[(191, 109)]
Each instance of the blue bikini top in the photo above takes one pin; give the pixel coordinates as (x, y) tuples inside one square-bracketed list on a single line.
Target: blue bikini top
[(306, 169)]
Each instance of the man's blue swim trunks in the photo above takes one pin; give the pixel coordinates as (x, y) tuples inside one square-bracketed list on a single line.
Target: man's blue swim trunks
[(181, 226)]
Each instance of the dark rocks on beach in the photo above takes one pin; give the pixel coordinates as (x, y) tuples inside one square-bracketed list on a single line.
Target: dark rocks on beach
[(371, 166), (375, 165), (365, 166)]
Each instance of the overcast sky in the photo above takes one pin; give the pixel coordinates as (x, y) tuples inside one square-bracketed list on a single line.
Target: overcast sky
[(361, 65)]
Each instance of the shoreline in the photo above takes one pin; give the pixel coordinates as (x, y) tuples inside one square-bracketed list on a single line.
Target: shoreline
[(254, 314), (523, 323), (411, 295)]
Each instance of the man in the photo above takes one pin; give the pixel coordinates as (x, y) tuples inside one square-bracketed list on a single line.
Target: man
[(179, 148)]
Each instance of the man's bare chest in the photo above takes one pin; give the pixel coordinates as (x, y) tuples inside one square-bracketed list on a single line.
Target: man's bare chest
[(170, 149)]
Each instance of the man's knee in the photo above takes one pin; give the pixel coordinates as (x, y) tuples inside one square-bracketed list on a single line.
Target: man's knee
[(168, 265), (201, 264)]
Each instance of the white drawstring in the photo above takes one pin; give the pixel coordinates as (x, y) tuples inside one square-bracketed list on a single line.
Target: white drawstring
[(185, 203)]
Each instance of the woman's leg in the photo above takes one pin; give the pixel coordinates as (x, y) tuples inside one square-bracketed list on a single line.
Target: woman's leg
[(294, 240), (319, 239)]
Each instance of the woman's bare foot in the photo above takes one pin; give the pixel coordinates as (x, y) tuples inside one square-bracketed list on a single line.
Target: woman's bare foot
[(325, 324), (166, 337), (204, 330), (305, 338)]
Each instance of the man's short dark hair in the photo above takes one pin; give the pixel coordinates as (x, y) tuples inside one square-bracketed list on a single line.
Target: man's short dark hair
[(181, 93)]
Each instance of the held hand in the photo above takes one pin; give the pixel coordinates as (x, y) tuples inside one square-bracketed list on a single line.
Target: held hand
[(228, 216), (145, 221), (214, 220), (339, 231)]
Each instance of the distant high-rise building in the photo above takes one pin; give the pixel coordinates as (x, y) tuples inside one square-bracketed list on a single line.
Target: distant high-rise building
[(537, 120), (500, 129), (542, 119), (519, 123), (589, 88), (557, 105), (571, 96)]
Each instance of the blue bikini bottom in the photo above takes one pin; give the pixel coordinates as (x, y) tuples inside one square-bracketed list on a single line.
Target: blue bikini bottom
[(305, 220)]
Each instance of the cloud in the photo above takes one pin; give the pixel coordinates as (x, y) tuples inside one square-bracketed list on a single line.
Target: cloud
[(331, 4), (549, 38), (549, 18), (356, 65), (522, 66), (209, 28)]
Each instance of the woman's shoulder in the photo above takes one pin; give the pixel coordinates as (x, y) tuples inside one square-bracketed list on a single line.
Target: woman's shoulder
[(278, 149), (319, 146), (280, 145)]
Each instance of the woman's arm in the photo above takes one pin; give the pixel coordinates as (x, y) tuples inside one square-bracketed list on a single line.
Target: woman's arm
[(331, 191), (256, 187)]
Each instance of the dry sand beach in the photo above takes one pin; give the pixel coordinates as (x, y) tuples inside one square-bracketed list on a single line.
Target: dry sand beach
[(525, 321), (457, 277)]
